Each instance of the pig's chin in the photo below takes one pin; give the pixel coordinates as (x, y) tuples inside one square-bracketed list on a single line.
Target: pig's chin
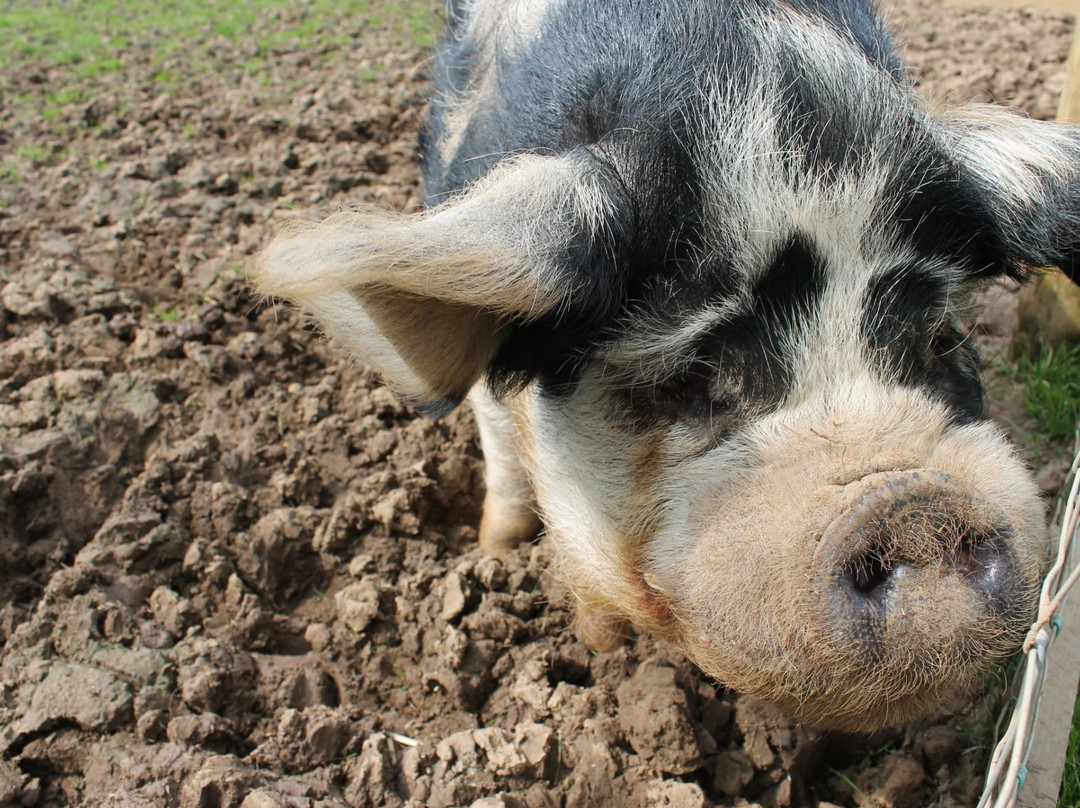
[(913, 584)]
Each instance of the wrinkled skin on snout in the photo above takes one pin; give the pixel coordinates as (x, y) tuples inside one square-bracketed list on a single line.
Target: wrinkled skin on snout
[(698, 270)]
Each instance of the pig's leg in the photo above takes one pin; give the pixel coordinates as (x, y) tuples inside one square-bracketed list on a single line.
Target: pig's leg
[(509, 506)]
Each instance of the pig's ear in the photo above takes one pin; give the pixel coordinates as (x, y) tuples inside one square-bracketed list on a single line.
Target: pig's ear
[(427, 299), (1028, 174)]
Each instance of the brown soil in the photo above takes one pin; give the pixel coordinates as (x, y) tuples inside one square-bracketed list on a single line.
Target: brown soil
[(235, 571)]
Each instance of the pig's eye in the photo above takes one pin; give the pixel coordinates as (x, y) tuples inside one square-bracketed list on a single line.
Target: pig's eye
[(691, 395), (684, 391)]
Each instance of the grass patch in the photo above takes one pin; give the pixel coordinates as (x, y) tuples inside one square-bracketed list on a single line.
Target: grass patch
[(40, 156), (166, 78), (1051, 381), (83, 42), (166, 314), (100, 36), (1070, 780)]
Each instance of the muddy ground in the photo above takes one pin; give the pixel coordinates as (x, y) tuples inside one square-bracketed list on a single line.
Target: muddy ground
[(235, 571)]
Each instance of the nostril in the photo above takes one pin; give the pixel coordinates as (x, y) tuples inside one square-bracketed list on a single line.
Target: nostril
[(975, 553), (867, 573), (966, 556), (983, 559)]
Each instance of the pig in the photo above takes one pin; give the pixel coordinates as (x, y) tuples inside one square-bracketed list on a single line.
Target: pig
[(698, 267)]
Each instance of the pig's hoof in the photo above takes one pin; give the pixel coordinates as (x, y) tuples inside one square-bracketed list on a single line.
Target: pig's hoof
[(504, 528), (602, 632)]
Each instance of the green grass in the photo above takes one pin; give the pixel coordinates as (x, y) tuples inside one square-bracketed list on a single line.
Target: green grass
[(166, 314), (1070, 780), (40, 156), (85, 43), (99, 36), (1051, 381), (9, 170)]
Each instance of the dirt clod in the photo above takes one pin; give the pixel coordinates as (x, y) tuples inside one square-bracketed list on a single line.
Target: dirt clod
[(895, 782), (733, 772), (655, 716), (358, 605)]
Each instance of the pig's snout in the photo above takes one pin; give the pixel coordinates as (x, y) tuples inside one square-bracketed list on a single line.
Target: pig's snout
[(913, 582), (907, 538)]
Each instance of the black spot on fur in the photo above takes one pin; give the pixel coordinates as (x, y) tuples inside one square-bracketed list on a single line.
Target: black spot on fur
[(752, 351), (816, 121), (743, 368), (938, 209), (910, 342), (648, 242)]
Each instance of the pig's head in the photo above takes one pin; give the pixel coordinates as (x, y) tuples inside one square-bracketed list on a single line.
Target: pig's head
[(731, 361)]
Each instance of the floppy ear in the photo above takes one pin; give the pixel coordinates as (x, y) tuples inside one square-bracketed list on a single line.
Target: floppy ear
[(1029, 174), (427, 299)]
